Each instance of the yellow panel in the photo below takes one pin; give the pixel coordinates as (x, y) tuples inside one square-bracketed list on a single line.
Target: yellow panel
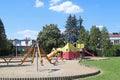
[(78, 46), (82, 46), (69, 48)]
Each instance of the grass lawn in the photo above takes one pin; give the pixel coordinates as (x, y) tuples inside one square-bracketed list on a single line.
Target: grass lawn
[(110, 69)]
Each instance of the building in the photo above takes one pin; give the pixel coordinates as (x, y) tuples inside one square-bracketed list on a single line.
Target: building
[(22, 45), (115, 38)]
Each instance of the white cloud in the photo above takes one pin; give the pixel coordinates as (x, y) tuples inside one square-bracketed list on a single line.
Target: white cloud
[(100, 26), (54, 2), (27, 33), (62, 30), (38, 3), (67, 7)]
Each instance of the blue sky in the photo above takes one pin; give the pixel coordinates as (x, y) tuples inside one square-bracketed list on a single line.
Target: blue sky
[(25, 18)]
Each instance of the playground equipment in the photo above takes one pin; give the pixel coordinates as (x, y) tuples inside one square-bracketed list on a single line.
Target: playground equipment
[(74, 52), (53, 53), (89, 53), (68, 52), (6, 59), (36, 48)]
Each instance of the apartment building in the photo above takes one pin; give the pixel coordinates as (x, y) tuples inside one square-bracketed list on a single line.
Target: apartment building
[(115, 38)]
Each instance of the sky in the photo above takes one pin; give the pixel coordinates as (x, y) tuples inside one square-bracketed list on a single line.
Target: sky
[(26, 18)]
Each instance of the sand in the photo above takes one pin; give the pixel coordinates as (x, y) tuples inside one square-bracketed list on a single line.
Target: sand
[(62, 69)]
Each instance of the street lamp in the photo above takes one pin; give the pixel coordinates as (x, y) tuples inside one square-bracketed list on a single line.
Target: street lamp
[(16, 42)]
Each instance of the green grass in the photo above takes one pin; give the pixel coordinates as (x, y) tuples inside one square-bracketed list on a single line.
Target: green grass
[(110, 69)]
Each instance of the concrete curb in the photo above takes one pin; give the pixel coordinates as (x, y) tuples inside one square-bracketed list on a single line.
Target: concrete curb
[(55, 78)]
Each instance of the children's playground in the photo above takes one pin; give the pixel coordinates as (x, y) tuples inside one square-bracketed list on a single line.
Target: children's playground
[(60, 64)]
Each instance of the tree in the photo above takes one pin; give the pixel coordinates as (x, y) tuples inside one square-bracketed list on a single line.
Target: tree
[(3, 39), (83, 33), (80, 21), (71, 29), (105, 41), (84, 36), (95, 37), (50, 37)]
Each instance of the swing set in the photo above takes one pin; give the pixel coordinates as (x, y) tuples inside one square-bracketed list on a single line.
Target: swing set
[(36, 49)]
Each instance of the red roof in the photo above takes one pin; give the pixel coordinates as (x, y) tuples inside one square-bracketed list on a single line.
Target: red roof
[(114, 35)]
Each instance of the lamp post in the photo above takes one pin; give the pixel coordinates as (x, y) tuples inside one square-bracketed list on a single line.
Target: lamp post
[(16, 41), (16, 50), (36, 65)]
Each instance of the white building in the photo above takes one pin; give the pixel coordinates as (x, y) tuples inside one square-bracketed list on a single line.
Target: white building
[(115, 38), (22, 44)]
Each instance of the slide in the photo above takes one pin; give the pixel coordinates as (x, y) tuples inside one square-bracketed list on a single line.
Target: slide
[(90, 53), (53, 53)]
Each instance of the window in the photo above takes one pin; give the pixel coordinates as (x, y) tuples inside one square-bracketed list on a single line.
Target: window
[(116, 42), (66, 49)]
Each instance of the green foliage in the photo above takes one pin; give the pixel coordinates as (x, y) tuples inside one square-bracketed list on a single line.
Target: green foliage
[(95, 37), (50, 37), (3, 39), (71, 32), (80, 21), (114, 50), (8, 50), (110, 52), (83, 36), (110, 69), (105, 43), (97, 41)]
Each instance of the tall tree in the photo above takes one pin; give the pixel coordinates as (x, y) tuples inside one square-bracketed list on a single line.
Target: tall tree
[(68, 27), (80, 21), (3, 39), (84, 36), (95, 37), (71, 29), (50, 37), (105, 41)]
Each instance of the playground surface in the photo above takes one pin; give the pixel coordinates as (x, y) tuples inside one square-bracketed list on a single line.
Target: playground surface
[(66, 68)]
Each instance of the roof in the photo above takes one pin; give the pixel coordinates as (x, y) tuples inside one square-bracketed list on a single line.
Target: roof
[(70, 48), (114, 35)]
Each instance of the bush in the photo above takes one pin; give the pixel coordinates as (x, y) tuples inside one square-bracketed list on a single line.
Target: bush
[(113, 51), (5, 52)]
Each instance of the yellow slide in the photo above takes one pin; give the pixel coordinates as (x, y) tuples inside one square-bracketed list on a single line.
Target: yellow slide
[(53, 53)]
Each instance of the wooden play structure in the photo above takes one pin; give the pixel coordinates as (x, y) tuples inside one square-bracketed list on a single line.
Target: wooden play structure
[(6, 59), (36, 49)]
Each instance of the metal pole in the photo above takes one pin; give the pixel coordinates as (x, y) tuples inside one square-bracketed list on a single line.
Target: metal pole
[(36, 65), (16, 50)]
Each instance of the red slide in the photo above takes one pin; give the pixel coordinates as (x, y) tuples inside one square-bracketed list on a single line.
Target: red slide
[(89, 53)]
